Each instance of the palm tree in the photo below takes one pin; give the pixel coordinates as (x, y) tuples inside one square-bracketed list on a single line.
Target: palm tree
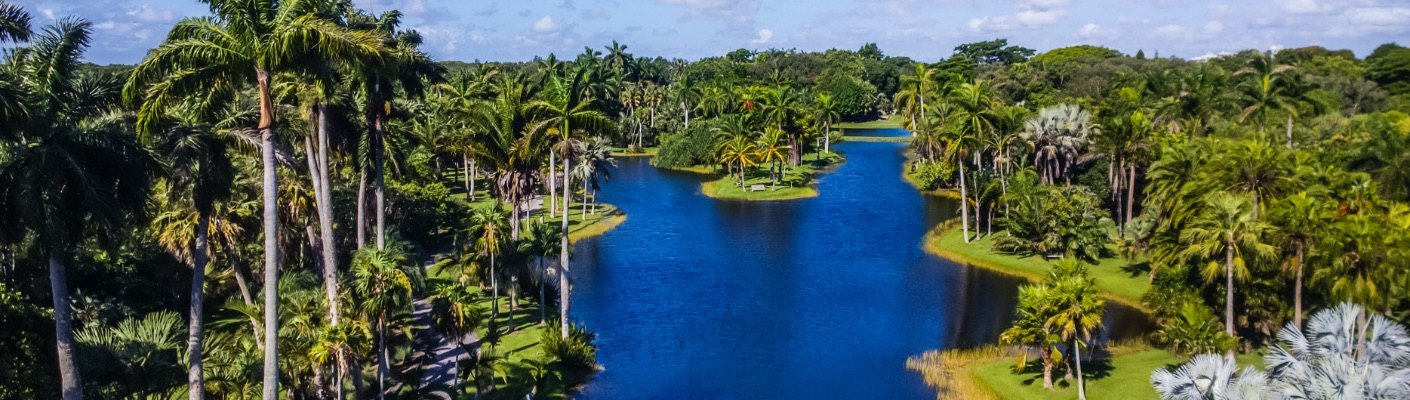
[(1299, 218), (1270, 86), (566, 106), (14, 23), (1261, 170), (1077, 311), (914, 89), (384, 282), (780, 108), (1030, 328), (67, 170), (234, 46), (827, 114), (201, 170), (594, 161), (1227, 227), (565, 109), (542, 243), (1056, 136), (973, 119), (769, 150), (403, 66), (740, 152), (1316, 363), (490, 242)]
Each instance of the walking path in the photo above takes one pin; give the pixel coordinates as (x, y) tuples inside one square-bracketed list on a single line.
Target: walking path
[(445, 352)]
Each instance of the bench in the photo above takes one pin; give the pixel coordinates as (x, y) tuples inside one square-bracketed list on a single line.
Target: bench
[(756, 188)]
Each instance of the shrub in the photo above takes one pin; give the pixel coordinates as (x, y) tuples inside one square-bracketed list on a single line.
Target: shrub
[(931, 176), (694, 146), (419, 210), (576, 353), (1044, 220)]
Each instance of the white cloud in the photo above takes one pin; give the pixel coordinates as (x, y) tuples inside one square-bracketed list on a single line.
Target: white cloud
[(1213, 27), (546, 25), (1022, 20), (149, 14), (1299, 6), (1092, 31), (663, 31), (765, 36), (1046, 3), (734, 11)]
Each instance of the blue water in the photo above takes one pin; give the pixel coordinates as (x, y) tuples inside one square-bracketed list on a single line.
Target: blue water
[(822, 298)]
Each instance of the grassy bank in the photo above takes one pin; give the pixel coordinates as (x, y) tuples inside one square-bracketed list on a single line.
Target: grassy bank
[(884, 123), (580, 227), (1116, 285), (850, 138), (988, 373), (793, 183), (625, 152)]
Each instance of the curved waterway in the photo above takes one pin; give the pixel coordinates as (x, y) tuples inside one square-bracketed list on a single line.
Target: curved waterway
[(821, 298)]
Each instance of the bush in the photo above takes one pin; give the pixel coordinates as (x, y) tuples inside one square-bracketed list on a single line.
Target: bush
[(1193, 330), (694, 146), (931, 176), (419, 210), (1044, 220), (577, 353)]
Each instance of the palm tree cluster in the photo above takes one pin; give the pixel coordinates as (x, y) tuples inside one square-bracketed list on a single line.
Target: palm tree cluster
[(320, 136), (1064, 311)]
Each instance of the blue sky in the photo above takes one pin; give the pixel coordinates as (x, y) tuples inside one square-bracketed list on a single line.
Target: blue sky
[(922, 29)]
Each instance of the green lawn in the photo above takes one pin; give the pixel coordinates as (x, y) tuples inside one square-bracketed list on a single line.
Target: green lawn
[(795, 182), (579, 226), (1125, 376), (863, 138), (1115, 284), (645, 152), (884, 123)]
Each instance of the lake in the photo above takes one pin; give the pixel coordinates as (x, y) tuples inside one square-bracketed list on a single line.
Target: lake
[(821, 298)]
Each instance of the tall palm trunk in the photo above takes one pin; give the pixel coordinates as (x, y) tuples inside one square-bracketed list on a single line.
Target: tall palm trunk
[(563, 271), (1077, 360), (827, 137), (382, 368), (271, 238), (380, 184), (196, 311), (1290, 133), (552, 181), (465, 172), (543, 314), (323, 201), (70, 381), (361, 208), (1297, 288), (494, 291), (964, 203), (1130, 192), (1229, 289)]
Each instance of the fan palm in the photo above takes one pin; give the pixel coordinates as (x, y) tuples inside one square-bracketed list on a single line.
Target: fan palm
[(234, 46), (67, 169)]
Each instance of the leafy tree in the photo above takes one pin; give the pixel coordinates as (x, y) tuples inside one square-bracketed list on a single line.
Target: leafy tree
[(1051, 220), (69, 170), (997, 51)]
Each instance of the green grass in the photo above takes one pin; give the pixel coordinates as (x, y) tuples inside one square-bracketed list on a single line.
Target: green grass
[(795, 182), (1114, 283), (850, 138), (579, 227), (645, 152), (988, 372), (884, 123)]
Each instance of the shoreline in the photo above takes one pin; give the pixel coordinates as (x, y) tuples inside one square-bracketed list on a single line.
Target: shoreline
[(933, 239)]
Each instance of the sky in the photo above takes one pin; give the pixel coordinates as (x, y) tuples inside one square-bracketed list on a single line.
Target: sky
[(926, 30)]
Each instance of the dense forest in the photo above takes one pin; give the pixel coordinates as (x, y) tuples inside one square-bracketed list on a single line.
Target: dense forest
[(288, 198)]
